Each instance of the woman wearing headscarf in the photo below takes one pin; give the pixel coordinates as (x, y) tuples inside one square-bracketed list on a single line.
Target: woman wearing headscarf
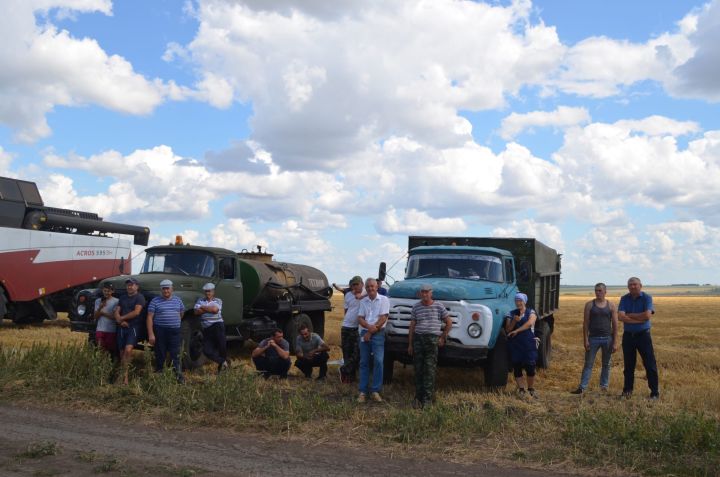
[(519, 325)]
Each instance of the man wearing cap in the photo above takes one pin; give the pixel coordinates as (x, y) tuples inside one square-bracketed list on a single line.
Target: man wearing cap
[(349, 330), (106, 327), (128, 316), (209, 309), (372, 317), (426, 334), (164, 317)]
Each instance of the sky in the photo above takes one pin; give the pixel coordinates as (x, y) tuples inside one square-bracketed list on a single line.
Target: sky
[(328, 132)]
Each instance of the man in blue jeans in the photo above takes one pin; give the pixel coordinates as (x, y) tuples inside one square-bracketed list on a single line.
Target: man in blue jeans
[(635, 311), (373, 315), (600, 324)]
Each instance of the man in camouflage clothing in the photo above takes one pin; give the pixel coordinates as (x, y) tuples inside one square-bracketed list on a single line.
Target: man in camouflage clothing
[(426, 335)]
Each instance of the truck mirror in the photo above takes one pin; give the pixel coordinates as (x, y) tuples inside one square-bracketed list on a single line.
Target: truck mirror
[(382, 271)]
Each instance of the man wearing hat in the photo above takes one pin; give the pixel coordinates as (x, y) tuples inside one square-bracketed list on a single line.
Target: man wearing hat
[(164, 317), (349, 330), (426, 334), (209, 309), (128, 315)]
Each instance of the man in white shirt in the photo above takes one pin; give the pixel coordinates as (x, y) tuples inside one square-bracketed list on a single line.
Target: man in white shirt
[(373, 315)]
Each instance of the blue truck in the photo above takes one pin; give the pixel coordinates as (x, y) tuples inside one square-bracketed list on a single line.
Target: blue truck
[(476, 279)]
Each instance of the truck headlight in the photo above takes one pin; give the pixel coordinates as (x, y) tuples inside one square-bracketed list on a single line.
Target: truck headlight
[(474, 330), (81, 310)]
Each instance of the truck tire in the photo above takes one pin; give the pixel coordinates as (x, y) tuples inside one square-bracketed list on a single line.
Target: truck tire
[(291, 328), (318, 322), (191, 344), (544, 333), (498, 363), (388, 368)]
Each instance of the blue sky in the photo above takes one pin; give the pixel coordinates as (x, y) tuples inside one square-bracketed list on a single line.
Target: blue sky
[(329, 131)]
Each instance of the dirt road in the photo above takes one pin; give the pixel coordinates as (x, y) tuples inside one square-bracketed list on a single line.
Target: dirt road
[(36, 441)]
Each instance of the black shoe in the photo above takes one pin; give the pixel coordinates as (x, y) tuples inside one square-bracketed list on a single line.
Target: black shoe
[(654, 396), (626, 395), (321, 378), (533, 393), (579, 390)]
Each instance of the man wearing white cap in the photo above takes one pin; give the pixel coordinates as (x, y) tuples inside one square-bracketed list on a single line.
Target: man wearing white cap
[(163, 323), (213, 329)]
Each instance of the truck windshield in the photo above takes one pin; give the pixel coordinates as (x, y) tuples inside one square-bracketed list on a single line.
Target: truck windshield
[(462, 266), (187, 263)]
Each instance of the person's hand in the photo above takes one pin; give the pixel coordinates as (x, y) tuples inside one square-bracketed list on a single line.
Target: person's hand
[(516, 318), (410, 349), (367, 336), (441, 341), (124, 324), (151, 339), (587, 345), (512, 333), (615, 347)]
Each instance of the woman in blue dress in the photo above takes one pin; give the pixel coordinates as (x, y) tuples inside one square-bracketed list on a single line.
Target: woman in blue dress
[(519, 325)]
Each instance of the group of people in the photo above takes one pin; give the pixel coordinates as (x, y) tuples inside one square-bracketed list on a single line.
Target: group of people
[(121, 323)]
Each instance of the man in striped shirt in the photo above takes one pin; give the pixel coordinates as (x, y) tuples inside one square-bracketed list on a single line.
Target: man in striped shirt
[(163, 323), (214, 343), (426, 334)]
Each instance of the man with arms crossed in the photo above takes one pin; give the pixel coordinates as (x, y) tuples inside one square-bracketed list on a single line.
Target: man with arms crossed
[(425, 335), (164, 320), (372, 318), (127, 316), (634, 311)]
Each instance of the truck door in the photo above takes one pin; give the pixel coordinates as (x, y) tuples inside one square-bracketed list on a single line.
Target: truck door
[(229, 290)]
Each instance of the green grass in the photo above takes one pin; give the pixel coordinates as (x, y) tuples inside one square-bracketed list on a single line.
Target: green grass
[(37, 450), (638, 437)]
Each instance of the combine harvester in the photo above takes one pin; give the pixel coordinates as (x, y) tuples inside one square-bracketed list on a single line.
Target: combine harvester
[(48, 254)]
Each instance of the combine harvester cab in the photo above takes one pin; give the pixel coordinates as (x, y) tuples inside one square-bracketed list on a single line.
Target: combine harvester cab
[(47, 254), (476, 279)]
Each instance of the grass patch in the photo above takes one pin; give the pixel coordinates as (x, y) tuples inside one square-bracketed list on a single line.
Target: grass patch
[(37, 450)]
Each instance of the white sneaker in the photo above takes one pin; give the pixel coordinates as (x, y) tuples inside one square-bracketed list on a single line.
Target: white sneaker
[(376, 397), (362, 398)]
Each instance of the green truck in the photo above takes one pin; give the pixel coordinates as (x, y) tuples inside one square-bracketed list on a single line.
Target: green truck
[(259, 294)]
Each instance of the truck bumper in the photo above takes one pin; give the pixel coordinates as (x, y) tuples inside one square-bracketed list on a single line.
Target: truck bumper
[(452, 354)]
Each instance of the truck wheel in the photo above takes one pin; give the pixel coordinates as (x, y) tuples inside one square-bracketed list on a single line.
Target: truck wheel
[(498, 363), (191, 345), (388, 368), (543, 332), (291, 328)]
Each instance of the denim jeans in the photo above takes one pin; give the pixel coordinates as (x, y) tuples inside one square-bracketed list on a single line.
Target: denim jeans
[(167, 340), (603, 343), (376, 347), (632, 344)]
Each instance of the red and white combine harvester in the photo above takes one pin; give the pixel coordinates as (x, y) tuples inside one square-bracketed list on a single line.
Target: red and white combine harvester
[(47, 254)]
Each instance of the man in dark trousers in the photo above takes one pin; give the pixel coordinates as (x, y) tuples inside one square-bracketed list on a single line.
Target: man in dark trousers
[(213, 328), (311, 352)]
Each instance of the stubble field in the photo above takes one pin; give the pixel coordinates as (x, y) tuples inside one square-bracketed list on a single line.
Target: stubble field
[(596, 433)]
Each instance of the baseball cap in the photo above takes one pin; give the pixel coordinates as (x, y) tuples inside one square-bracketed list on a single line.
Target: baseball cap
[(108, 285), (132, 280), (356, 279), (165, 284), (426, 287), (208, 286)]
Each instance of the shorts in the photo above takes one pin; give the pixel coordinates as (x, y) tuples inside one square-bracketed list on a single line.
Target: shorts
[(107, 341), (127, 337)]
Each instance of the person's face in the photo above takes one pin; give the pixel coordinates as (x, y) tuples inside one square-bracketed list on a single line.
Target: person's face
[(600, 293), (277, 337), (356, 287), (305, 333), (634, 287), (131, 288), (426, 296), (107, 293), (166, 292), (371, 288), (519, 303), (209, 294)]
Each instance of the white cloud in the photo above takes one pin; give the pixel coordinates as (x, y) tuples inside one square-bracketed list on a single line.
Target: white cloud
[(547, 233), (562, 117), (5, 160), (414, 221), (44, 67)]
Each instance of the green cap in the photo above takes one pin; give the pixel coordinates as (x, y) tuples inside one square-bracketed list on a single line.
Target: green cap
[(356, 279)]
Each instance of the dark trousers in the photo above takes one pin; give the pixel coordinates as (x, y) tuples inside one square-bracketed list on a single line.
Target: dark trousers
[(351, 351), (270, 366), (425, 353), (318, 361), (167, 340), (214, 343), (639, 342)]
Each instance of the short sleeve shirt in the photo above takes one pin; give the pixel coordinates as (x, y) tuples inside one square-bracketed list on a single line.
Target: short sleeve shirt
[(372, 310), (209, 319), (428, 318), (642, 303), (271, 352), (167, 311), (105, 324), (306, 346), (352, 305), (127, 304)]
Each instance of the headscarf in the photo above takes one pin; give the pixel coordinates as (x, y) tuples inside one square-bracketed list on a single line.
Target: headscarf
[(521, 296)]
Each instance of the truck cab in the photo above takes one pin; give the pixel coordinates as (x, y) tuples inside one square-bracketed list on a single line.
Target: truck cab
[(476, 279)]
